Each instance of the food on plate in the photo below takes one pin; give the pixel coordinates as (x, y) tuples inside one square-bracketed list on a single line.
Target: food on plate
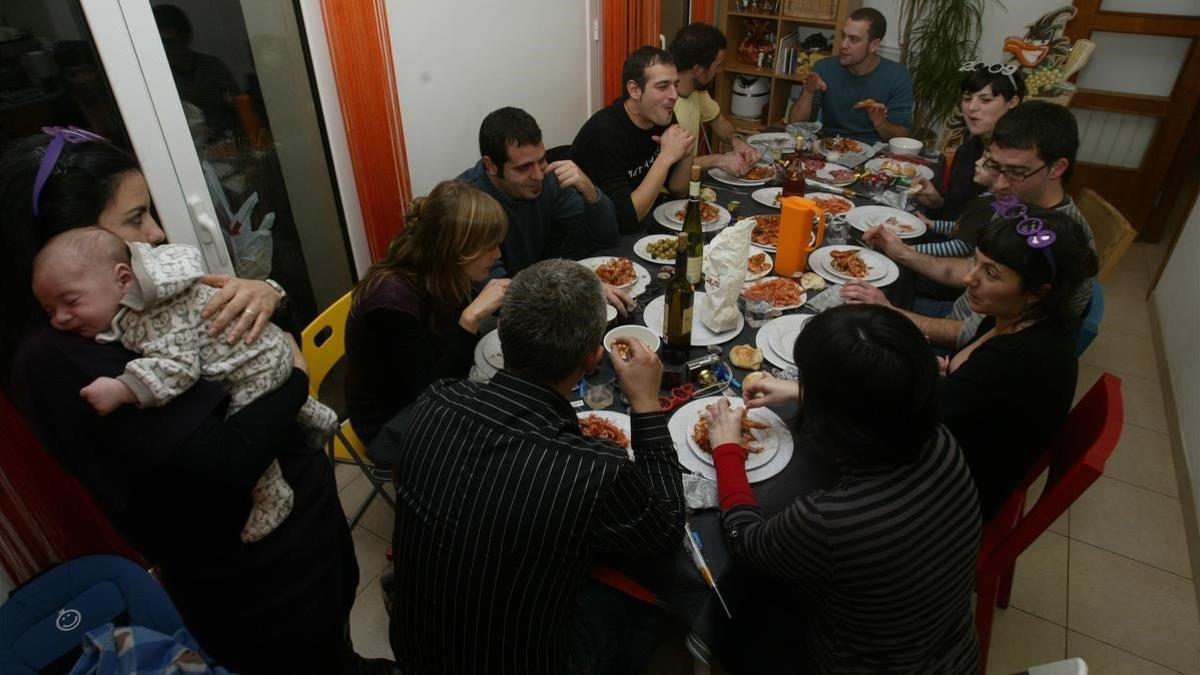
[(832, 205), (875, 180), (662, 249), (811, 281), (700, 433), (759, 172), (868, 103), (842, 174), (898, 168), (708, 212), (751, 378), (893, 224), (708, 194), (746, 357), (848, 262), (617, 272), (778, 291), (596, 426), (766, 230), (839, 144), (810, 167), (758, 263)]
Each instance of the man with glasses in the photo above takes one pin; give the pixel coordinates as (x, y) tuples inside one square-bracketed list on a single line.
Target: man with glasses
[(1030, 156)]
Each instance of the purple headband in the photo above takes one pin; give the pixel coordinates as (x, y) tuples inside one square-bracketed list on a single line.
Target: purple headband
[(59, 137), (1033, 229)]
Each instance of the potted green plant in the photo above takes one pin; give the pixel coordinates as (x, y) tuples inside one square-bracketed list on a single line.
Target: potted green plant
[(936, 37)]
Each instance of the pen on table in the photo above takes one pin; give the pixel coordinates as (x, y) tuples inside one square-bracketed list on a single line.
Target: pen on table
[(695, 546)]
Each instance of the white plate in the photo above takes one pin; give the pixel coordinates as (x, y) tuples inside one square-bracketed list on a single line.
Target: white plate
[(677, 204), (865, 151), (876, 264), (803, 295), (729, 179), (751, 276), (824, 174), (781, 333), (782, 141), (620, 419), (865, 217), (765, 247), (652, 317), (818, 261), (767, 439), (641, 272), (640, 250), (819, 197), (922, 171), (767, 196), (680, 426), (663, 217), (489, 348)]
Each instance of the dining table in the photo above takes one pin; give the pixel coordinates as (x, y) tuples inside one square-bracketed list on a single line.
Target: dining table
[(673, 578)]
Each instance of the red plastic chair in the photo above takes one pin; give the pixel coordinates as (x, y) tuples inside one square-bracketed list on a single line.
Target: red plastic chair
[(1076, 459)]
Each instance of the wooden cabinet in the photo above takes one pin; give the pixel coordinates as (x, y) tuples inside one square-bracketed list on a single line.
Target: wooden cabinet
[(794, 19)]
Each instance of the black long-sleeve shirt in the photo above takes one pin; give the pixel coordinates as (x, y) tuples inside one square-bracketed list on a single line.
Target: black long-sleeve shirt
[(1005, 403), (500, 505)]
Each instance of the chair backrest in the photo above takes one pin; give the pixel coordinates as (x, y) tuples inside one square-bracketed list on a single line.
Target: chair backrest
[(323, 342), (1076, 458), (1112, 231)]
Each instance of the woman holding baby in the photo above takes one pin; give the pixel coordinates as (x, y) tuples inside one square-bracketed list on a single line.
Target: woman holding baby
[(176, 480)]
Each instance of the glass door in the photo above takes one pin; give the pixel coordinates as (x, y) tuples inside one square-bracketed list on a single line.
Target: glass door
[(215, 98)]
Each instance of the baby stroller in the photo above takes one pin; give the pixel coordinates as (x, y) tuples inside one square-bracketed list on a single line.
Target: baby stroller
[(43, 623)]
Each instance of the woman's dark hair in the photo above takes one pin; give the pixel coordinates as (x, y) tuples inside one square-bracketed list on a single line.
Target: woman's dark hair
[(1000, 83), (871, 354), (83, 182), (1074, 263)]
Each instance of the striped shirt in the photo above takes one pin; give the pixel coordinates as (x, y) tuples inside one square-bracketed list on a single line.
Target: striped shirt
[(885, 559), (500, 507), (950, 248)]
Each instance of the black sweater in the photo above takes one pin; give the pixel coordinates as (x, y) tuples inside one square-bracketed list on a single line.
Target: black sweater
[(1006, 402)]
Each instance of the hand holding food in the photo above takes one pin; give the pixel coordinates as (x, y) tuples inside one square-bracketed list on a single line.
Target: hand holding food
[(639, 376), (767, 390), (878, 115), (748, 152), (675, 143), (724, 425), (734, 164), (927, 194)]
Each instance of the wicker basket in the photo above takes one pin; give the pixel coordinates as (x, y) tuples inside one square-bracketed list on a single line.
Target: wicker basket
[(810, 9)]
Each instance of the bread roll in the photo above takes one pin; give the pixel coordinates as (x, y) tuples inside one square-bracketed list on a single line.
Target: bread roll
[(746, 357)]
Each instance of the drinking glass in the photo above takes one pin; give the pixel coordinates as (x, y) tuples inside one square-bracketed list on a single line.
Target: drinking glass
[(837, 231), (757, 312)]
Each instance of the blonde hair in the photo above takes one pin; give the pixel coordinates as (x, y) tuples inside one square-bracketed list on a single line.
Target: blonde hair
[(454, 224)]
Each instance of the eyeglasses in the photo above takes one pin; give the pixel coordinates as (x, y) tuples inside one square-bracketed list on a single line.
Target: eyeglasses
[(1010, 175), (59, 137)]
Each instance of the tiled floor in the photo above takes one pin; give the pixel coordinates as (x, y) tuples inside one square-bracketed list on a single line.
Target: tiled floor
[(1110, 582)]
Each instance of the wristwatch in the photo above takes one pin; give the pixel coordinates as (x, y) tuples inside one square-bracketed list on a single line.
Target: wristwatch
[(283, 296)]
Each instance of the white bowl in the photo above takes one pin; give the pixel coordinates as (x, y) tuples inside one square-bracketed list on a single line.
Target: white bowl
[(647, 336), (905, 146), (610, 313)]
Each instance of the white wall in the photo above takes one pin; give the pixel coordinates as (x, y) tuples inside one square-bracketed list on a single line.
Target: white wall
[(458, 61), (999, 21), (1177, 302)]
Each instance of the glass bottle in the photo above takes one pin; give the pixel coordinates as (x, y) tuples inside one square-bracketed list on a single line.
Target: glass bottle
[(677, 312), (694, 228)]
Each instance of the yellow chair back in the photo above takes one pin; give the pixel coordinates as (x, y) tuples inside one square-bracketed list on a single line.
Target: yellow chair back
[(1112, 231), (323, 342)]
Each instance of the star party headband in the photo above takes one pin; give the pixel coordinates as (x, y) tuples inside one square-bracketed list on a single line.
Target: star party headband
[(59, 137), (1033, 229), (996, 69)]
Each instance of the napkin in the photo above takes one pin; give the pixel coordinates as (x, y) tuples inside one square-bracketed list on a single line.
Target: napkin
[(724, 272), (699, 492)]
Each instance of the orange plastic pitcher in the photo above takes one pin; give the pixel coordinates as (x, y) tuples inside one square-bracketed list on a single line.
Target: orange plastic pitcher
[(801, 229)]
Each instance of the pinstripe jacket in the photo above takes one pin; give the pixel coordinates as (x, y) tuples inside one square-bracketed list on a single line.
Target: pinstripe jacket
[(500, 506)]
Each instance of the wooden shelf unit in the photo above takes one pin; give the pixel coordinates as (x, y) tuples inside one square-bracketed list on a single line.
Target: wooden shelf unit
[(733, 24)]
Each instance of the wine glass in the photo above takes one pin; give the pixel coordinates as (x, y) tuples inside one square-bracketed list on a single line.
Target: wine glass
[(598, 389)]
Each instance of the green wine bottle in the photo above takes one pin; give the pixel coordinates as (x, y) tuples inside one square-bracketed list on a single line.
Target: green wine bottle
[(677, 313), (694, 228)]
